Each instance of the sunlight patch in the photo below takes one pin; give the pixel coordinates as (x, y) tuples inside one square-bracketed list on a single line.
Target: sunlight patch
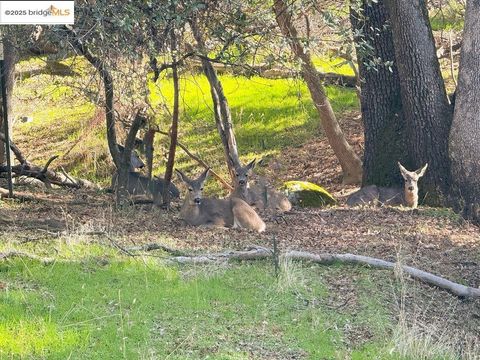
[(35, 337)]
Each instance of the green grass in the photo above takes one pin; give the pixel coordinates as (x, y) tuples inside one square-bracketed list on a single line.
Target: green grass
[(335, 65), (449, 17), (94, 304), (268, 116)]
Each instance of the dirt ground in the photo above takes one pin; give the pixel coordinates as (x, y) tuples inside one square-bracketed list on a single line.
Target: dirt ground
[(434, 240)]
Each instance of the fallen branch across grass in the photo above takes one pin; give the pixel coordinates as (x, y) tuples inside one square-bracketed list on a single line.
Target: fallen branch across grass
[(260, 253)]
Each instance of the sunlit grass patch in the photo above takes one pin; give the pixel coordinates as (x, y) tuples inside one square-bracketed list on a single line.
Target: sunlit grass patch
[(36, 338), (124, 307), (333, 65)]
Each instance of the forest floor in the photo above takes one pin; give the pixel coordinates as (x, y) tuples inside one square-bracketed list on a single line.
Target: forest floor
[(432, 239)]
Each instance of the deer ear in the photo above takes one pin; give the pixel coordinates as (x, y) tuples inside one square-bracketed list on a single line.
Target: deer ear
[(421, 172), (251, 164), (204, 175), (403, 171), (181, 175)]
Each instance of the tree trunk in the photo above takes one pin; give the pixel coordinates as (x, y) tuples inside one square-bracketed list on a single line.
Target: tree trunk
[(427, 112), (148, 147), (465, 132), (381, 104), (174, 128), (10, 58), (123, 167), (223, 116), (349, 161)]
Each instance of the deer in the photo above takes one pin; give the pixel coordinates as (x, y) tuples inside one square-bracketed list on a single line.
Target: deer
[(138, 184), (408, 196), (259, 195), (230, 212)]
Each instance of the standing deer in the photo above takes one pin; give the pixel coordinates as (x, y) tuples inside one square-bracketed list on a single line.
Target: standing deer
[(230, 212), (259, 195), (408, 196)]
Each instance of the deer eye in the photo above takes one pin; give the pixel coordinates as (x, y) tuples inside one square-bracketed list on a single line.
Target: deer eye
[(190, 189), (237, 174), (201, 189)]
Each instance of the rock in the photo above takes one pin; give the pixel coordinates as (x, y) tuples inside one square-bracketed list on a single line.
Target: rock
[(307, 194)]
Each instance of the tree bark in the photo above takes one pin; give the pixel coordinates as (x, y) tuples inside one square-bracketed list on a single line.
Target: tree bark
[(465, 131), (381, 103), (123, 166), (427, 111), (174, 128), (10, 58), (148, 147), (223, 116), (349, 161)]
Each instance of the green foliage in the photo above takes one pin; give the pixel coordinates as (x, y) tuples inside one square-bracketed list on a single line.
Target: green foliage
[(448, 16)]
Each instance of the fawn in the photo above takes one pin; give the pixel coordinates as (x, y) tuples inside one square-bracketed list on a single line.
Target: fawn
[(230, 212), (408, 196), (259, 194)]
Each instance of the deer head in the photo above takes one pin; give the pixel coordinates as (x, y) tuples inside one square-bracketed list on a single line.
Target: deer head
[(411, 184), (195, 187), (242, 173)]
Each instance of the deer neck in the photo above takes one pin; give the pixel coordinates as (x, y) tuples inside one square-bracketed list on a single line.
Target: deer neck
[(242, 192), (411, 198), (189, 210)]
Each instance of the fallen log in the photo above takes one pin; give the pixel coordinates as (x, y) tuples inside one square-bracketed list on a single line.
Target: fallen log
[(44, 174), (260, 253), (5, 194)]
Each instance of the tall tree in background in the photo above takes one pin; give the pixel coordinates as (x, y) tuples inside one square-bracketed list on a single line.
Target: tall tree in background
[(349, 161), (428, 114), (381, 103), (465, 131), (10, 58), (221, 108)]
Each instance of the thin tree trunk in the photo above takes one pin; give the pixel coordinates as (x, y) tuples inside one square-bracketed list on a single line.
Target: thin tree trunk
[(222, 113), (381, 103), (148, 146), (174, 128), (10, 58), (349, 161), (123, 167), (465, 132), (427, 111)]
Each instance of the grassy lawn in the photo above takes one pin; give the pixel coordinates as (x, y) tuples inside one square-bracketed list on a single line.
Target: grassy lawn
[(268, 116), (92, 303)]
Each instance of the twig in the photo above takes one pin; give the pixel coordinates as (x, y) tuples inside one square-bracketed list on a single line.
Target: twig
[(156, 246)]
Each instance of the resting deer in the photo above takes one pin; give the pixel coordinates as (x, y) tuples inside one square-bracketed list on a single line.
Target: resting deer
[(260, 194), (137, 184), (230, 212), (408, 196)]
